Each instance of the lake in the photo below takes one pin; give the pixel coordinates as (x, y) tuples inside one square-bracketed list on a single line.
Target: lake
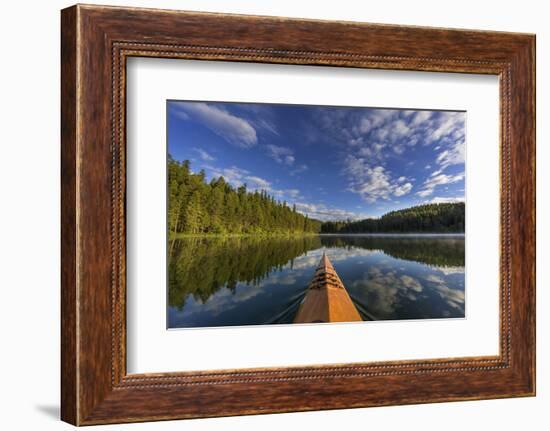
[(228, 281)]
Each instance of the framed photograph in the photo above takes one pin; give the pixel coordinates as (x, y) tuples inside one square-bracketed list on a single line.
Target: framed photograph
[(337, 185), (265, 215)]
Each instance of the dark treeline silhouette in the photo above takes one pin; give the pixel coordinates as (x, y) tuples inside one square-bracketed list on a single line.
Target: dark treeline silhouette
[(197, 207), (437, 218)]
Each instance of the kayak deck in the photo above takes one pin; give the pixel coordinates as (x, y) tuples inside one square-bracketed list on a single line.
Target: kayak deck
[(326, 300)]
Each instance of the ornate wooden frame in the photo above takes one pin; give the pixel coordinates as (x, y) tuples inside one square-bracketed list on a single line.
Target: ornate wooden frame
[(95, 43)]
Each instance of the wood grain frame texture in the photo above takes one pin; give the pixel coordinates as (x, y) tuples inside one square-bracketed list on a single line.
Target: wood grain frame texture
[(95, 43)]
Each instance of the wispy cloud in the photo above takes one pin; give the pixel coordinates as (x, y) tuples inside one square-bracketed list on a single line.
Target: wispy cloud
[(373, 183), (325, 213), (261, 116), (283, 155), (262, 123), (436, 180), (445, 200), (182, 115), (204, 155), (290, 194), (372, 141), (235, 130), (257, 182), (452, 156), (402, 189), (233, 175), (374, 130), (238, 177), (299, 169)]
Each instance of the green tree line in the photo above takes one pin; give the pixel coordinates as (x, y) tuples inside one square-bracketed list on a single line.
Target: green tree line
[(436, 218), (196, 206)]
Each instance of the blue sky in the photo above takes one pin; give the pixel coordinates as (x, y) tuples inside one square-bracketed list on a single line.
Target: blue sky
[(334, 163)]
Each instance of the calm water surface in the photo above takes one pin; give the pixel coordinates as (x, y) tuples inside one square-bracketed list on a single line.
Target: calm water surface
[(254, 281)]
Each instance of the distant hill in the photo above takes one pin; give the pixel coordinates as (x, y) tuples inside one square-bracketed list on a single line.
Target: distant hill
[(436, 218)]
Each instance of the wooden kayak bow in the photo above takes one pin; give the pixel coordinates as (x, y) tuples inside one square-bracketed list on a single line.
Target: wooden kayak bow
[(326, 300)]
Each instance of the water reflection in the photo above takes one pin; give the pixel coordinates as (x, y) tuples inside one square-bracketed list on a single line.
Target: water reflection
[(251, 281)]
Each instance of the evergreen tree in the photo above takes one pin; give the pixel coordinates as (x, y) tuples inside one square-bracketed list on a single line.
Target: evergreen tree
[(196, 207)]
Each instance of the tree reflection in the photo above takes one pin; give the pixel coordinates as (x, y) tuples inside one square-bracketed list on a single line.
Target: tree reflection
[(201, 266), (437, 251)]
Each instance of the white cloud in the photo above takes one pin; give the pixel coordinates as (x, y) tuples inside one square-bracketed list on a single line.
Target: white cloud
[(284, 194), (450, 124), (374, 119), (399, 149), (258, 183), (181, 114), (261, 116), (420, 117), (372, 183), (442, 179), (424, 193), (283, 155), (400, 129), (447, 129), (412, 127), (402, 189), (452, 156), (204, 155), (380, 134), (235, 130), (293, 193), (445, 200), (325, 213), (433, 181), (238, 177), (233, 175), (373, 150), (264, 124)]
